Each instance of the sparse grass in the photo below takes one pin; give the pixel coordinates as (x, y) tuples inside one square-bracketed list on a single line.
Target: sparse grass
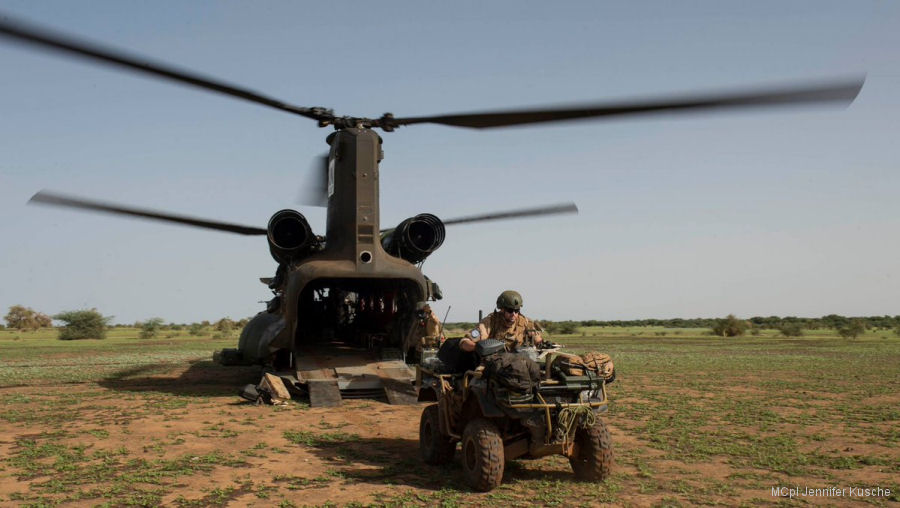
[(307, 438), (300, 483), (704, 420), (218, 496), (40, 358), (65, 472)]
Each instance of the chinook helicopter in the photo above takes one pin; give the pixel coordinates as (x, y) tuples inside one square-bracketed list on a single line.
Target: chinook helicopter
[(344, 303)]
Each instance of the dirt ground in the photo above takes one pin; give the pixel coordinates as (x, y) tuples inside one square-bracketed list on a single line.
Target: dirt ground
[(183, 438)]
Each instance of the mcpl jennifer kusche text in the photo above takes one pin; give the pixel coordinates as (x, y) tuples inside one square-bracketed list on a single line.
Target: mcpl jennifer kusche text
[(797, 491)]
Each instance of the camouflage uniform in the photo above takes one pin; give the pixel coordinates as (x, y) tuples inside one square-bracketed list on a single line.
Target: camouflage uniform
[(493, 326), (429, 332)]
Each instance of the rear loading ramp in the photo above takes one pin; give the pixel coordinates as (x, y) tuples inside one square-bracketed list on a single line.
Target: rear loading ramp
[(336, 371)]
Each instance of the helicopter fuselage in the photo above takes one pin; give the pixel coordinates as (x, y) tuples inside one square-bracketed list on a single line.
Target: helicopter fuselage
[(349, 288)]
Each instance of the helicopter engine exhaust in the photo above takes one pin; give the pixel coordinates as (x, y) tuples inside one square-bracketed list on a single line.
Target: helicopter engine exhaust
[(415, 238), (289, 234)]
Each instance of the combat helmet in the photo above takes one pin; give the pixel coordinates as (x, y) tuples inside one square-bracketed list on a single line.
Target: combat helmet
[(509, 299)]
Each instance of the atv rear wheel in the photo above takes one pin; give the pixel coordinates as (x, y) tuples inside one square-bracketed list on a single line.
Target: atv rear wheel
[(482, 455), (434, 447), (592, 457)]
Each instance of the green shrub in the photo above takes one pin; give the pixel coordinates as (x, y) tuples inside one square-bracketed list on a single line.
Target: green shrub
[(26, 318), (82, 324), (568, 327), (853, 329), (561, 327), (150, 328), (731, 326), (224, 327), (791, 329)]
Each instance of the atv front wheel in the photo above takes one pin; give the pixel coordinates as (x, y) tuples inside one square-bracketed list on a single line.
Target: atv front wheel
[(592, 457), (482, 455), (434, 447)]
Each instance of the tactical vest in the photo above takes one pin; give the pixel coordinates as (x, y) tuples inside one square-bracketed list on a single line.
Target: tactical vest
[(513, 335)]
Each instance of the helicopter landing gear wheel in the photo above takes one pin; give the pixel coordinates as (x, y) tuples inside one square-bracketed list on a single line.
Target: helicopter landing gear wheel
[(592, 457), (434, 447), (482, 455)]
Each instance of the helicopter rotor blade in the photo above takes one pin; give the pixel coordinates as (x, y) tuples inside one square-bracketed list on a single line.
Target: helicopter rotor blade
[(840, 92), (314, 191), (52, 199), (53, 40), (515, 214)]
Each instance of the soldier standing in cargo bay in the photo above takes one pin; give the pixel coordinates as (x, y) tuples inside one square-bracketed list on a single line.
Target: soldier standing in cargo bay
[(426, 332), (429, 328), (506, 323)]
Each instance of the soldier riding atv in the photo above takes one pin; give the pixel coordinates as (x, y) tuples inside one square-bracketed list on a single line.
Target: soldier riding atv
[(504, 405)]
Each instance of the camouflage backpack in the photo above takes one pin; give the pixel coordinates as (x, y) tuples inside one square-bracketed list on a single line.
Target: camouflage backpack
[(600, 363), (573, 365), (512, 371)]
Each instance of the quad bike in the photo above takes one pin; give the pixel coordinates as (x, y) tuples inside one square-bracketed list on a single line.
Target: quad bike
[(494, 424)]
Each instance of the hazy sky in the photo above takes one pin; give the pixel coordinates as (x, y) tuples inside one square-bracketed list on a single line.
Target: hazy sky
[(788, 212)]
